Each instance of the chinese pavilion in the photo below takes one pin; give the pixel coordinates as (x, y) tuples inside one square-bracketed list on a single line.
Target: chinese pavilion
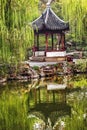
[(50, 29)]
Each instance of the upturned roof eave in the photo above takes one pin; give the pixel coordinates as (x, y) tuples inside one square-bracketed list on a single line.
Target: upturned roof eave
[(42, 22)]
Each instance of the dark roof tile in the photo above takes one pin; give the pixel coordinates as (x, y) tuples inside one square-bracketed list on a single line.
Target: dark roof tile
[(49, 21)]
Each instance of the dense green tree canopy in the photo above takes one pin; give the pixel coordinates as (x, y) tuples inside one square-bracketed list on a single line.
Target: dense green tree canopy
[(75, 11), (15, 32)]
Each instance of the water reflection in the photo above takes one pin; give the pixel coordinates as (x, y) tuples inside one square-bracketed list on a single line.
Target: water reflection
[(53, 100), (49, 100), (58, 102)]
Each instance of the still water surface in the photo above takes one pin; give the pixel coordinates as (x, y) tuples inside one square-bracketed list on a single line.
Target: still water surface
[(53, 103)]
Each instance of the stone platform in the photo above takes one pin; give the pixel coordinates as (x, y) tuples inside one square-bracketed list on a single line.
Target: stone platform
[(40, 64)]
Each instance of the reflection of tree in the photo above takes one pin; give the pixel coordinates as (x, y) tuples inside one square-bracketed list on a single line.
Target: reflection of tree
[(60, 79), (39, 115), (79, 106), (47, 104), (50, 105), (78, 81), (53, 111)]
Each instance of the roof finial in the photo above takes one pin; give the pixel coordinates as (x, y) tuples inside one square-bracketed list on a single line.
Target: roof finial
[(48, 3)]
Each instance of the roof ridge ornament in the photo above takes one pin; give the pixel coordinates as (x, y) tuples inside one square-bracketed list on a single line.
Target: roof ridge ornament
[(48, 3)]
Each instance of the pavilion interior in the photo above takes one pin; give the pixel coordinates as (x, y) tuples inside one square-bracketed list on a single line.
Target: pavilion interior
[(49, 47)]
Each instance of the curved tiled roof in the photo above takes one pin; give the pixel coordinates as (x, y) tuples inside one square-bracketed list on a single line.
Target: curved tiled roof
[(49, 21)]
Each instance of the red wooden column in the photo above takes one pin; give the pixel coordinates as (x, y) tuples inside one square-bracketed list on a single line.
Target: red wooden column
[(34, 44), (59, 40), (52, 41), (38, 42), (63, 41), (46, 43)]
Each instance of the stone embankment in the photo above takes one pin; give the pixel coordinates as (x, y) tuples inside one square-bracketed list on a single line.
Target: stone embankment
[(25, 72)]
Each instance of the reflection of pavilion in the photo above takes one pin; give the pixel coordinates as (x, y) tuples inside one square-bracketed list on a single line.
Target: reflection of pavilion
[(61, 85), (49, 104), (53, 86)]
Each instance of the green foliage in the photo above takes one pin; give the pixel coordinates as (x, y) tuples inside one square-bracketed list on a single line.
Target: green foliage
[(16, 34), (3, 70), (81, 83), (14, 113), (77, 122), (81, 65), (75, 11), (35, 67)]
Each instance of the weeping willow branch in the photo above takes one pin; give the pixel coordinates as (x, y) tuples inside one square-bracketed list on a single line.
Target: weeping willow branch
[(15, 34), (75, 11)]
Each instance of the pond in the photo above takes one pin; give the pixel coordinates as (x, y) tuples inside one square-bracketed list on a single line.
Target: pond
[(52, 103)]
